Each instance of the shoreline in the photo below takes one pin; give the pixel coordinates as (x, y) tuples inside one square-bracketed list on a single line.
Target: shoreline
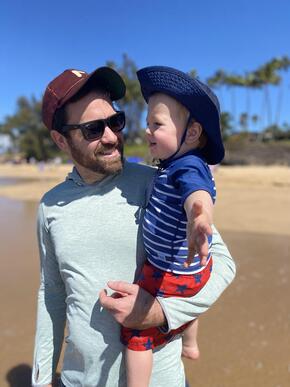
[(249, 198)]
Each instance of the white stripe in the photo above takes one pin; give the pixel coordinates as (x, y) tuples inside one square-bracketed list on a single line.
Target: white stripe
[(180, 240), (192, 264), (169, 247), (162, 221), (168, 224), (159, 237), (156, 243), (166, 214), (172, 256), (166, 193), (158, 228), (165, 205), (162, 253), (177, 271), (156, 251), (169, 186)]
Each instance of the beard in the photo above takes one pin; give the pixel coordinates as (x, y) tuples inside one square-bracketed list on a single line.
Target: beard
[(96, 161)]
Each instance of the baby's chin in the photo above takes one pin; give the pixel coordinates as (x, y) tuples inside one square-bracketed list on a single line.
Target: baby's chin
[(155, 154)]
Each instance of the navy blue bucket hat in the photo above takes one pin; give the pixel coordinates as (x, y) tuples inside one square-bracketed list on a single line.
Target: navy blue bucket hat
[(197, 97)]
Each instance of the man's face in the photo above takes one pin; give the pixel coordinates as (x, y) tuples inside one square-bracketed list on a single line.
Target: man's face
[(98, 158)]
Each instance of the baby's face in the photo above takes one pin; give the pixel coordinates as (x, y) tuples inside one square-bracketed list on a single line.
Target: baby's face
[(166, 121)]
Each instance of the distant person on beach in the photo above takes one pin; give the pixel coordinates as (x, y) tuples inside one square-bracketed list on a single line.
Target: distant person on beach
[(89, 233), (184, 136)]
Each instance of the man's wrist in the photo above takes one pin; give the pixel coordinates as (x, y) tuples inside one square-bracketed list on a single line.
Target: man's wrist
[(155, 316)]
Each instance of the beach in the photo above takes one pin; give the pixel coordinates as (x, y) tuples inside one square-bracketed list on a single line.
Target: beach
[(244, 338)]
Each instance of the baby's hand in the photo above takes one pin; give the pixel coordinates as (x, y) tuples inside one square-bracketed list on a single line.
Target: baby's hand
[(198, 229)]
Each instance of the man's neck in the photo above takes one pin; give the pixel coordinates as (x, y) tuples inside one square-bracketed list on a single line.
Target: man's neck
[(88, 176)]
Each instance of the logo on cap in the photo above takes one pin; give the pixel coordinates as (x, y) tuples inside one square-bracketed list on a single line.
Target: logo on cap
[(78, 73)]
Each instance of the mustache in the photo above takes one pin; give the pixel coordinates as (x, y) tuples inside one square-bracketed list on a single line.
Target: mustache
[(103, 148)]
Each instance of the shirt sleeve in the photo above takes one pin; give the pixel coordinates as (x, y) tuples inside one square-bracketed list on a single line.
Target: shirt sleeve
[(191, 174), (179, 311), (51, 310)]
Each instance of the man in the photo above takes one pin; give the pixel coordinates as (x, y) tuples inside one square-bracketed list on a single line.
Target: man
[(89, 234)]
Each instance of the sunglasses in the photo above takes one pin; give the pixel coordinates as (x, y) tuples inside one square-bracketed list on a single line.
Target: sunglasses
[(94, 130)]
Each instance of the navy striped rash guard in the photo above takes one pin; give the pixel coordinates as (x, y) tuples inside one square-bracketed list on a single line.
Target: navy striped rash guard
[(164, 226)]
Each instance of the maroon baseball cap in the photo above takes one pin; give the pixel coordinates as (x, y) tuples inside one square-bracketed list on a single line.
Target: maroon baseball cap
[(68, 83)]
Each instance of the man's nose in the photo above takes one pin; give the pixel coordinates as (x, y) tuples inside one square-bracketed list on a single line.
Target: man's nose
[(109, 137)]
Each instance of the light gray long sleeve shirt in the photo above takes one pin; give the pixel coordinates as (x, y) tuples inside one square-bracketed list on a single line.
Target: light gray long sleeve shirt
[(89, 234)]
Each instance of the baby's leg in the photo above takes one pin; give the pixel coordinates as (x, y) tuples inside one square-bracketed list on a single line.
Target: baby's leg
[(138, 367), (189, 341)]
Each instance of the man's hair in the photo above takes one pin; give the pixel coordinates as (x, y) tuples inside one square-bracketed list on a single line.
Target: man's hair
[(60, 117)]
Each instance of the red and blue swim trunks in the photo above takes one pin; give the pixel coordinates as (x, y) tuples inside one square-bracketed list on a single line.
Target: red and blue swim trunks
[(163, 284)]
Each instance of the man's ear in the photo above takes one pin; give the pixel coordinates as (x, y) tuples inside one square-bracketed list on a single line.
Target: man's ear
[(60, 140), (193, 133)]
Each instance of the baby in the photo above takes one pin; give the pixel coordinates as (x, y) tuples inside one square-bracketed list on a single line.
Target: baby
[(183, 133)]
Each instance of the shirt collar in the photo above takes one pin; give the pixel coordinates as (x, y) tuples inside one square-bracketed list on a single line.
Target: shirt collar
[(167, 162), (77, 179)]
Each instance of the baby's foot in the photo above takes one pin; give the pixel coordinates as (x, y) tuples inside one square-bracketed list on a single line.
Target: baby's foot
[(190, 352)]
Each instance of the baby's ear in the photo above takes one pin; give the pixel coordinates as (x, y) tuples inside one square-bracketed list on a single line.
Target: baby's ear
[(193, 133)]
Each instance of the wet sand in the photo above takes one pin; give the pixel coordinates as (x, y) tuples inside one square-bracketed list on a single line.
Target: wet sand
[(244, 338)]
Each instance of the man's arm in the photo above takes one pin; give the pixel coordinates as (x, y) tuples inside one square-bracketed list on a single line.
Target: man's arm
[(134, 308), (50, 312)]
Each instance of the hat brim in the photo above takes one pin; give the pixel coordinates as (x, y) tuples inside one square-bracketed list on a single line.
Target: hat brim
[(104, 78)]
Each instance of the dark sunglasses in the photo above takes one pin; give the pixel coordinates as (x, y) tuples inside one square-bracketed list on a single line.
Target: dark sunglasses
[(94, 130)]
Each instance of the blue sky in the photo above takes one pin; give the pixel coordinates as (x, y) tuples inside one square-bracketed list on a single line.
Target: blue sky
[(39, 39)]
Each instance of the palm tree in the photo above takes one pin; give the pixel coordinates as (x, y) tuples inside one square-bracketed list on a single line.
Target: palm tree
[(266, 75), (218, 81), (221, 78), (234, 81), (244, 121), (226, 125), (280, 64), (255, 119)]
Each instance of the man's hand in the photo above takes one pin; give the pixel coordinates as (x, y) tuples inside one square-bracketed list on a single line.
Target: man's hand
[(132, 306), (198, 229)]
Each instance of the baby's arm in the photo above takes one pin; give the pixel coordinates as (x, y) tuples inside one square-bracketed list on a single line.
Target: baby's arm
[(199, 211)]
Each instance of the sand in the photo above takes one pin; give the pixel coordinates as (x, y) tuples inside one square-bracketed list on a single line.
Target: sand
[(244, 338), (253, 199)]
